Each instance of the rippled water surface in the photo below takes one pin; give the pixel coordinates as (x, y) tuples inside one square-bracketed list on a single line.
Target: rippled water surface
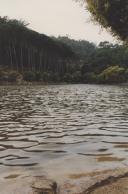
[(63, 127)]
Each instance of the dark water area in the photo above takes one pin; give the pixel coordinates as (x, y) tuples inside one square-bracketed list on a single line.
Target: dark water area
[(62, 128)]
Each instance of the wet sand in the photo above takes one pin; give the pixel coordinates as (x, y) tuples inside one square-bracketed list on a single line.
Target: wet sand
[(99, 182), (118, 187)]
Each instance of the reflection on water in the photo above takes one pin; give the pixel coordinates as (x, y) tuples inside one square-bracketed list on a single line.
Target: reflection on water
[(41, 124)]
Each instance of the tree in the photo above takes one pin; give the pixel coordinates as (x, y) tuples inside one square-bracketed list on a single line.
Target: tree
[(111, 14), (113, 74), (23, 49), (29, 76)]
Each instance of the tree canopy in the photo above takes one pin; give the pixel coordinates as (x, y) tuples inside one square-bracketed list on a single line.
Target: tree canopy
[(30, 56), (111, 14), (24, 49)]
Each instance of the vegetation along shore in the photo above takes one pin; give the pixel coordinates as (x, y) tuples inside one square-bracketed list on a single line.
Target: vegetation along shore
[(32, 57)]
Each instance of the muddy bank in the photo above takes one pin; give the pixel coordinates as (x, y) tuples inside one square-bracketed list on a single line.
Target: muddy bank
[(117, 187), (99, 182), (113, 184)]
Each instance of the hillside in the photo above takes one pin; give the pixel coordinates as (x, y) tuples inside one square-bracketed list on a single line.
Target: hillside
[(103, 63), (30, 56), (23, 50)]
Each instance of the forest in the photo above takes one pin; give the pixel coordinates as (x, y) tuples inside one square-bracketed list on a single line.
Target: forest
[(103, 63), (26, 55)]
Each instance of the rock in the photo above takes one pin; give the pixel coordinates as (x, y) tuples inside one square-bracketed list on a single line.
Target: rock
[(44, 186)]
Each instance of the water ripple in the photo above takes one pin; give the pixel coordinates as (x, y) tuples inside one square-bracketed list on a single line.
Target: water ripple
[(41, 123)]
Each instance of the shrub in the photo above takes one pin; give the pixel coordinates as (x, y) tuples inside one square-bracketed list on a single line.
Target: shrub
[(76, 77), (89, 78), (38, 76), (113, 74), (3, 75), (46, 76), (29, 76), (13, 76), (67, 77)]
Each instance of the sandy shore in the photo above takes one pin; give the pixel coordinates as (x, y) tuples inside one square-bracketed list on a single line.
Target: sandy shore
[(99, 182), (117, 187)]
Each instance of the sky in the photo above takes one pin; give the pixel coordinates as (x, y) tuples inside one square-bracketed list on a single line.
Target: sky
[(56, 17)]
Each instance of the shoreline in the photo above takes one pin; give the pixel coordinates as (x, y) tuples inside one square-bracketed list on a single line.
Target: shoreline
[(57, 83), (98, 182)]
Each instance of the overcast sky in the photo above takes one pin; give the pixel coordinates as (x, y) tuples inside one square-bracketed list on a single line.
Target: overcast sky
[(55, 17)]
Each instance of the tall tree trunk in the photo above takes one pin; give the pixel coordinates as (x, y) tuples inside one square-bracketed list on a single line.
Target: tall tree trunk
[(21, 59), (11, 59), (15, 56)]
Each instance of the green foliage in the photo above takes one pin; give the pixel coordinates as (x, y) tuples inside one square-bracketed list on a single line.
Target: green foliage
[(89, 77), (77, 77), (38, 76), (13, 76), (67, 78), (9, 76), (112, 74), (22, 49), (47, 76), (55, 77), (3, 76), (104, 56), (29, 76), (48, 59), (81, 48), (111, 14)]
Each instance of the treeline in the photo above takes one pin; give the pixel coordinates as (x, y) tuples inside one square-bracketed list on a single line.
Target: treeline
[(105, 63), (24, 50), (30, 56)]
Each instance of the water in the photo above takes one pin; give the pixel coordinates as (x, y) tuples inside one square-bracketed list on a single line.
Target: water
[(62, 129)]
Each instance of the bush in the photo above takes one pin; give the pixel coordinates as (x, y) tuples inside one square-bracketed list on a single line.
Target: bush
[(55, 77), (3, 76), (76, 77), (46, 77), (113, 74), (29, 76), (13, 76), (38, 76), (89, 78), (67, 77)]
